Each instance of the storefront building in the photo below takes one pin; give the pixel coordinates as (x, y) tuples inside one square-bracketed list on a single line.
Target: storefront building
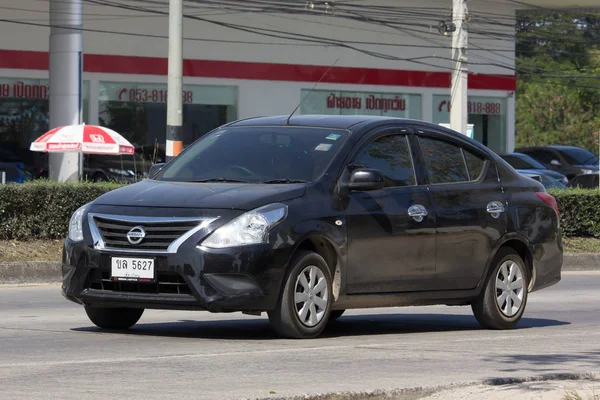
[(125, 84)]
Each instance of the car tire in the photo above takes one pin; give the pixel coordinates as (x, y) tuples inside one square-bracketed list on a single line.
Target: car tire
[(114, 318), (301, 311), (502, 302), (335, 314)]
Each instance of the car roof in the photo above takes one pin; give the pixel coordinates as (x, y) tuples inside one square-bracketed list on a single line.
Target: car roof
[(330, 121), (354, 123), (555, 147)]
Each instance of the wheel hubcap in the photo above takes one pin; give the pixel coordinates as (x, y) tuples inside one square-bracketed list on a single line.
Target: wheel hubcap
[(510, 288), (311, 295)]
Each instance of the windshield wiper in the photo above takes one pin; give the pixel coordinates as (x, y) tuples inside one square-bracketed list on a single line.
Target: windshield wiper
[(221, 180), (285, 181)]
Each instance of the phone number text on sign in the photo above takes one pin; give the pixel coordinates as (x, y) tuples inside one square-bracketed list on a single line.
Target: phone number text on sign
[(151, 95), (484, 108)]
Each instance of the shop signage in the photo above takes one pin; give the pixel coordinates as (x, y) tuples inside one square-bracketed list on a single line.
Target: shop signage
[(370, 103), (332, 102), (23, 90), (141, 92), (145, 95), (475, 105)]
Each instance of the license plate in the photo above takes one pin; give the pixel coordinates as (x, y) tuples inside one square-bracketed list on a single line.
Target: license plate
[(132, 269)]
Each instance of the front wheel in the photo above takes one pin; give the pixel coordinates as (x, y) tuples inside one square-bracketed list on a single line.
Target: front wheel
[(504, 297), (114, 318), (305, 302)]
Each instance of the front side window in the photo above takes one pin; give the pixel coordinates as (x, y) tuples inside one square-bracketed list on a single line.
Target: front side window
[(257, 154), (391, 156), (445, 162)]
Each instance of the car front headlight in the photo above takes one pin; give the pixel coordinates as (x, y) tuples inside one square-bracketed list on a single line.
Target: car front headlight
[(587, 171), (250, 228), (76, 225)]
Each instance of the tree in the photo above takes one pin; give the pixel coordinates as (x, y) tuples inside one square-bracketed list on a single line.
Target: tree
[(558, 75)]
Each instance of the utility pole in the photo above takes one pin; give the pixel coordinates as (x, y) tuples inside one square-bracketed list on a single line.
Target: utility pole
[(175, 83), (458, 93), (66, 64)]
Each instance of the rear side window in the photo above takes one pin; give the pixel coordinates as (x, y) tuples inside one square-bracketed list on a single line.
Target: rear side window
[(474, 164), (391, 156), (544, 156), (445, 162)]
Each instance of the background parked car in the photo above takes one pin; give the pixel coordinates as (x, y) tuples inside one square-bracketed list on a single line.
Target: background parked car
[(15, 173), (547, 180), (522, 161), (568, 160), (588, 181)]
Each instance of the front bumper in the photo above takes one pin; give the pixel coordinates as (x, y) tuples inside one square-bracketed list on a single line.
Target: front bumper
[(247, 279)]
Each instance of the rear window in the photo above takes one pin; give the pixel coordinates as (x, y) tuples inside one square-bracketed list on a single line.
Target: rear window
[(445, 162)]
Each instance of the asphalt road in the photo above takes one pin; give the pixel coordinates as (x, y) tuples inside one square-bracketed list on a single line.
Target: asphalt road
[(48, 349)]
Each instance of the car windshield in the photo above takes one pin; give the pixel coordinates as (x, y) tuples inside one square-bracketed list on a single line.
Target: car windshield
[(522, 161), (257, 154), (579, 156)]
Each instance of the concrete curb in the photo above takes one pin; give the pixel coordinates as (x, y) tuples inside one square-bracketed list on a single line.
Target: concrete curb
[(30, 272), (50, 271), (421, 392)]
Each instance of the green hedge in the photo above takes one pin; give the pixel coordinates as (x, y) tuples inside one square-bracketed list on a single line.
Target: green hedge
[(41, 210), (579, 211)]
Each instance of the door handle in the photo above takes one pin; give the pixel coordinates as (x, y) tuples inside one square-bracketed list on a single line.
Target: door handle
[(495, 208), (418, 212)]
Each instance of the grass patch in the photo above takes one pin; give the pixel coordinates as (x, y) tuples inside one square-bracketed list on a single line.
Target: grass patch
[(31, 250), (581, 245)]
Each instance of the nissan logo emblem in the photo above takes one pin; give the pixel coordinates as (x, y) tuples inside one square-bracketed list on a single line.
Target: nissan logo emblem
[(136, 235)]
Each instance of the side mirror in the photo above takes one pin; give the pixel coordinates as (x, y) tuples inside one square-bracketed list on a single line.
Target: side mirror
[(555, 162), (366, 179), (155, 169)]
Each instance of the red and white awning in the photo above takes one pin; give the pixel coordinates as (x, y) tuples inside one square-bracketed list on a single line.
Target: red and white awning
[(88, 139)]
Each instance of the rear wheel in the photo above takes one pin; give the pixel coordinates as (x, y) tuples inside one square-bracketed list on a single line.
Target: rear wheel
[(504, 297), (114, 318), (305, 302)]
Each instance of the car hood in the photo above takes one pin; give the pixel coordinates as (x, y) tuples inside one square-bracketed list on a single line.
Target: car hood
[(553, 174), (239, 196)]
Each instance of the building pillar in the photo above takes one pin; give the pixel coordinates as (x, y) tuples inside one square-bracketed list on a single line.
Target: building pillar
[(66, 64)]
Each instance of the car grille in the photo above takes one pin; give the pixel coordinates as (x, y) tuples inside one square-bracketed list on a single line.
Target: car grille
[(110, 232), (166, 283)]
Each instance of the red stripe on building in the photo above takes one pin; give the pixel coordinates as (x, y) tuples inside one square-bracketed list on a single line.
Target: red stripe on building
[(34, 60)]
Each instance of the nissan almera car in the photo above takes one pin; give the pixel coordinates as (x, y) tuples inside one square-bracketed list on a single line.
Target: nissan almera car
[(304, 217)]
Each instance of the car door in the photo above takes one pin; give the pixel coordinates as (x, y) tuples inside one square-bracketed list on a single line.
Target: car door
[(388, 249), (469, 207)]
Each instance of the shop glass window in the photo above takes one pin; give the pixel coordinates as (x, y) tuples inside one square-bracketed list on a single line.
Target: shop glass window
[(138, 111), (24, 116)]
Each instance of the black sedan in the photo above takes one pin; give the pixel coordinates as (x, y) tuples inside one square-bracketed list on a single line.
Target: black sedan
[(303, 218), (521, 161)]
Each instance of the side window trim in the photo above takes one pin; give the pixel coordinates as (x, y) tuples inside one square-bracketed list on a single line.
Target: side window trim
[(381, 133)]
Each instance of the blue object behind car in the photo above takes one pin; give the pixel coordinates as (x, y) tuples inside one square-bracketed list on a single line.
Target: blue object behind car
[(520, 161), (15, 173)]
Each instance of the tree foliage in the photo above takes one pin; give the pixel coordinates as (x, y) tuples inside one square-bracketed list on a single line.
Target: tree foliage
[(558, 85)]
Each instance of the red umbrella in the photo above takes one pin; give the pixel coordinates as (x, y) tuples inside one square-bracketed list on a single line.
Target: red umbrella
[(88, 139)]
